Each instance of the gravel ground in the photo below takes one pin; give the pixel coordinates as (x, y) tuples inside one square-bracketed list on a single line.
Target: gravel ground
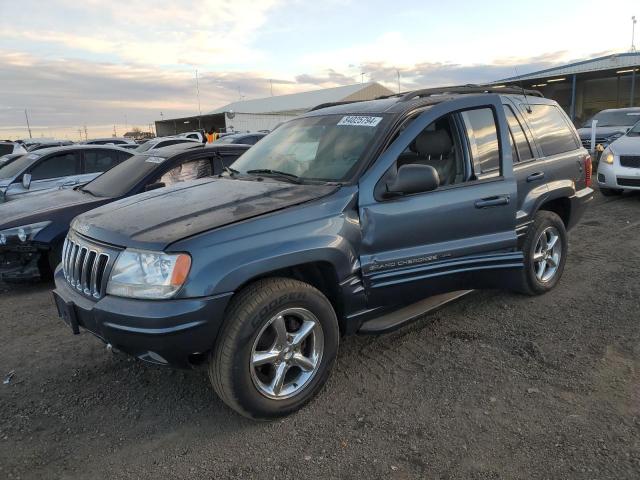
[(496, 385)]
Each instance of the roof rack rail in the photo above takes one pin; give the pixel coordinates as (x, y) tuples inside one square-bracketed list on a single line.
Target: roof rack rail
[(332, 104), (459, 89)]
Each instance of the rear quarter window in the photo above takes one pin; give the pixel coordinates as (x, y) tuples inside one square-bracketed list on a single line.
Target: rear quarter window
[(552, 130)]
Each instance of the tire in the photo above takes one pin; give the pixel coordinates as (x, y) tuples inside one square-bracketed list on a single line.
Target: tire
[(250, 333), (532, 282), (610, 192)]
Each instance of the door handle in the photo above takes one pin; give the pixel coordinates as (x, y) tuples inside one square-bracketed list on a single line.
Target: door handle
[(492, 201), (535, 176)]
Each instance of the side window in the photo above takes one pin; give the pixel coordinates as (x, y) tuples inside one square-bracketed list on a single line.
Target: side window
[(190, 170), (483, 139), (96, 161), (63, 165), (552, 130), (438, 146), (520, 144)]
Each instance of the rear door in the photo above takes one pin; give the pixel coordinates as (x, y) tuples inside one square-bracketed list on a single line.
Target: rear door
[(461, 235)]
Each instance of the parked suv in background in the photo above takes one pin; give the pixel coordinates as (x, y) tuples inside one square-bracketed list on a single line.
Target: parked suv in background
[(619, 166), (57, 167), (612, 124), (342, 220)]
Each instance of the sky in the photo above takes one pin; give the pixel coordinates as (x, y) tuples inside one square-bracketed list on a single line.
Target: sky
[(111, 65)]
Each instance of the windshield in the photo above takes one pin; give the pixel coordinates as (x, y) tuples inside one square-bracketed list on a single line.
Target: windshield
[(326, 148), (227, 139), (635, 131), (16, 167), (123, 177), (615, 118)]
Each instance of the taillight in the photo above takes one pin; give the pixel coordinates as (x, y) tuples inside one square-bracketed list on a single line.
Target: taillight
[(587, 170)]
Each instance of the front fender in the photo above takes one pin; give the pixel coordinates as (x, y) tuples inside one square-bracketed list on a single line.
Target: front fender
[(224, 260)]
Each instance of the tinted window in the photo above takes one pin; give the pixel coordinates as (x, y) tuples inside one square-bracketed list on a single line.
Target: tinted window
[(96, 161), (552, 130), (521, 150), (62, 165), (6, 148), (483, 139)]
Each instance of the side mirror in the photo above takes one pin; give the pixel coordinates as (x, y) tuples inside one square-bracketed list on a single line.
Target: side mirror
[(154, 186), (414, 178), (26, 181)]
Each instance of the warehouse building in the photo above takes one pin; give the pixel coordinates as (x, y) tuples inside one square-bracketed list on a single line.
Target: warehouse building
[(584, 88), (266, 113)]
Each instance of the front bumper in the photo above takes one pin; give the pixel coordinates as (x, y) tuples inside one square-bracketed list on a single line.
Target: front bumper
[(20, 263), (611, 176), (165, 332)]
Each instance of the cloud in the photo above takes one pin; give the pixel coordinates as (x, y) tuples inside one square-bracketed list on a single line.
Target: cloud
[(194, 32)]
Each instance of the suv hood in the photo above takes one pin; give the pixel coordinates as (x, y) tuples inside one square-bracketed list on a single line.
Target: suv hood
[(626, 146), (42, 206), (156, 219)]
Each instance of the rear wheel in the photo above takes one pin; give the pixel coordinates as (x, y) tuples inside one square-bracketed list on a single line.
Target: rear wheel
[(276, 348), (545, 251), (610, 192)]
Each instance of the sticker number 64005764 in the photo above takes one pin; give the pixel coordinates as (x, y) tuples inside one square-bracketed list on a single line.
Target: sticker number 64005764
[(360, 121)]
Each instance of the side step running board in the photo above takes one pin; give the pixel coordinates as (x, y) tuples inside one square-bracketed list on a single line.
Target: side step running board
[(394, 320)]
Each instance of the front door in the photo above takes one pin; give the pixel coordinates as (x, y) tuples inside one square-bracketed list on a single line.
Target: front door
[(460, 235)]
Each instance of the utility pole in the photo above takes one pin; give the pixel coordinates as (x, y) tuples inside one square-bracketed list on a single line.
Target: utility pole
[(198, 94), (28, 126), (86, 137), (633, 33), (115, 134), (271, 82), (398, 72)]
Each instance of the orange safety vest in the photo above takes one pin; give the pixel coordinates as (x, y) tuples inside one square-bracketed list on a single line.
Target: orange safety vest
[(210, 137)]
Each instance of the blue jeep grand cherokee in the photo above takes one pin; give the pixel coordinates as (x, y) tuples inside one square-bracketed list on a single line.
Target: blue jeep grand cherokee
[(340, 221)]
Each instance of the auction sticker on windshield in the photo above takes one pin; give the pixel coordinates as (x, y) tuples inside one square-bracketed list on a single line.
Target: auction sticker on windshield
[(360, 121), (155, 159)]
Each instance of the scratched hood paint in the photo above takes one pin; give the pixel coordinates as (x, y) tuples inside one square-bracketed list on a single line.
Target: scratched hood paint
[(156, 219)]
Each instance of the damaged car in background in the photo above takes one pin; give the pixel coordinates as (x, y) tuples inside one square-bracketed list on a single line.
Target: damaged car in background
[(32, 230)]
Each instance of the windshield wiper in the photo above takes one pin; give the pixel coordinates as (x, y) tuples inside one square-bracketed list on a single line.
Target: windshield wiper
[(275, 173)]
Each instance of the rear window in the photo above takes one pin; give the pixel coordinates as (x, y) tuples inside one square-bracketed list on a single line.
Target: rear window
[(552, 130)]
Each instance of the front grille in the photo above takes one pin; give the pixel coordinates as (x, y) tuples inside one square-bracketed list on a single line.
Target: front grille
[(628, 182), (85, 265), (631, 161), (586, 142)]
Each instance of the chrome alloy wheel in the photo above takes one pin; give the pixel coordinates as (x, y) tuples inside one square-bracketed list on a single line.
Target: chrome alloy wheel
[(286, 353), (547, 254)]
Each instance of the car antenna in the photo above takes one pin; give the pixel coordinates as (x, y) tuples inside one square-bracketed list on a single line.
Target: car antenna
[(524, 92)]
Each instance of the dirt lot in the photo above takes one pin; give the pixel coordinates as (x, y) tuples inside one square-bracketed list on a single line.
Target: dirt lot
[(495, 386)]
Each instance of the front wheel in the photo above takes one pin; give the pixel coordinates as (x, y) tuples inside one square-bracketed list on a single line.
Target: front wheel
[(276, 348), (545, 251)]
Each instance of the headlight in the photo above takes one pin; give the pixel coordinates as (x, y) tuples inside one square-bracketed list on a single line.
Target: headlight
[(607, 156), (21, 234), (150, 275)]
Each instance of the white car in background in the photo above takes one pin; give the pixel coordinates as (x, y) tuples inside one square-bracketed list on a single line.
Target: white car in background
[(619, 166)]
